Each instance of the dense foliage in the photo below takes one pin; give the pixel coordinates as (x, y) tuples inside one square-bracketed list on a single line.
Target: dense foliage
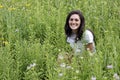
[(32, 35)]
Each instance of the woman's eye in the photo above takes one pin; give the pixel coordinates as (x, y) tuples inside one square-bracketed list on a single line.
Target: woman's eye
[(71, 19), (76, 20)]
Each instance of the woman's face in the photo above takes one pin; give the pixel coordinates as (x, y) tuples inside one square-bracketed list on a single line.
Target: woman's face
[(74, 22)]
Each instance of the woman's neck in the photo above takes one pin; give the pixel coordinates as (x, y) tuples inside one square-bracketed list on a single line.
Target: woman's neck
[(74, 31)]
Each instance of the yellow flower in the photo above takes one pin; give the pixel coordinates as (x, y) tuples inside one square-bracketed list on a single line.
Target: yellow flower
[(27, 5), (11, 9), (5, 42), (1, 6)]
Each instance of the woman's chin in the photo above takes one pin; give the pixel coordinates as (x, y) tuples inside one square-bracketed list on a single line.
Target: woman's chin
[(74, 28)]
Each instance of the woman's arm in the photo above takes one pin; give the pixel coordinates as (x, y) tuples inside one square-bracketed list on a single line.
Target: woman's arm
[(89, 38), (89, 47)]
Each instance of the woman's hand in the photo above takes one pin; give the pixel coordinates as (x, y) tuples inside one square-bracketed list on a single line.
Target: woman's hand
[(89, 47)]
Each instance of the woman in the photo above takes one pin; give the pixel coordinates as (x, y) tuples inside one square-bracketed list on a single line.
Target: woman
[(79, 38)]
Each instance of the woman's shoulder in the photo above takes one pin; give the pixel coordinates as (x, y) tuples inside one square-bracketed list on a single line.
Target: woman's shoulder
[(88, 36), (87, 32)]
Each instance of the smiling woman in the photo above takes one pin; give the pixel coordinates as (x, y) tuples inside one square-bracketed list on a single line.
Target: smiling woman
[(79, 38)]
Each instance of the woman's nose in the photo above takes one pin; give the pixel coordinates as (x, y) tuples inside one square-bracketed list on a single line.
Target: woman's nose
[(73, 21)]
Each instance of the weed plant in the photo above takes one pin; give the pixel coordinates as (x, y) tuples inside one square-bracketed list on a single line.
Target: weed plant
[(32, 35)]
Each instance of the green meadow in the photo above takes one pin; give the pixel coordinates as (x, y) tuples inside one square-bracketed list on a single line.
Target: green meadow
[(32, 35)]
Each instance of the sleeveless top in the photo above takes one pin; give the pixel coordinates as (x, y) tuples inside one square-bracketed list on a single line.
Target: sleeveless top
[(79, 46)]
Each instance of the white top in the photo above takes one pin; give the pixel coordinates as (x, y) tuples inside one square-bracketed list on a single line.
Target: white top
[(79, 47)]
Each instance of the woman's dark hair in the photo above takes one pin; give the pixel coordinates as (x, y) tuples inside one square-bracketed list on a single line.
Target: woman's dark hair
[(68, 30)]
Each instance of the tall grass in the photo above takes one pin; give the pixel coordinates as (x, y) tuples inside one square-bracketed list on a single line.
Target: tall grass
[(32, 35)]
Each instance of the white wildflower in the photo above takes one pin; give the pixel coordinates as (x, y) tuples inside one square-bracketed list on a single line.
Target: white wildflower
[(77, 71), (59, 50), (109, 66), (8, 0), (72, 68), (62, 65), (28, 67), (116, 76), (91, 54), (60, 57), (81, 57), (17, 30), (88, 49), (104, 77), (60, 74), (31, 66), (68, 67), (93, 78), (75, 77)]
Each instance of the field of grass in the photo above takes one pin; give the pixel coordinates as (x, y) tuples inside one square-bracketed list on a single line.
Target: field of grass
[(32, 35)]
